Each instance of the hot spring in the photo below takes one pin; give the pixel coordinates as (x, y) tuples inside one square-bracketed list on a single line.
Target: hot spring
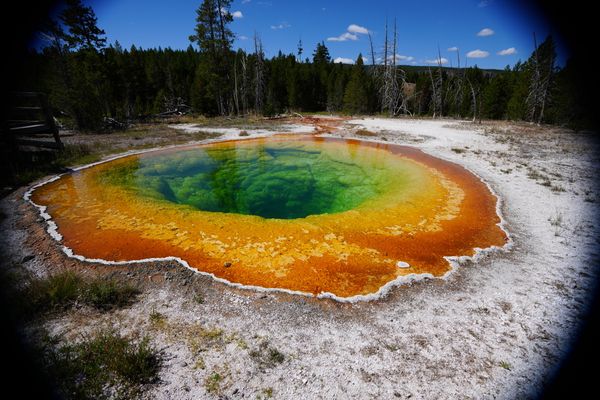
[(306, 214)]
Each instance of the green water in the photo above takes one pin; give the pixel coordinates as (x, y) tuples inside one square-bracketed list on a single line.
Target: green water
[(273, 180)]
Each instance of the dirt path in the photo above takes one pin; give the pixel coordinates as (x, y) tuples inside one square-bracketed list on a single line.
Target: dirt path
[(494, 329)]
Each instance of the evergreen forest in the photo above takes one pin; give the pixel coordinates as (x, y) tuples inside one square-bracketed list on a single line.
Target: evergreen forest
[(89, 81)]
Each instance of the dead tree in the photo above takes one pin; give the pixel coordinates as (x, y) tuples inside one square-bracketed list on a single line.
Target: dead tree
[(392, 80), (259, 75), (534, 84), (236, 100), (474, 94), (372, 52), (542, 72), (473, 98), (436, 93), (457, 88), (244, 88), (437, 87), (433, 92)]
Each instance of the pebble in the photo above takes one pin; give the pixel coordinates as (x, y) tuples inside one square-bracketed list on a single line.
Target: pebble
[(28, 257)]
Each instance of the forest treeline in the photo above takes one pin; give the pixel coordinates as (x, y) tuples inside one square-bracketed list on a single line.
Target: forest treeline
[(88, 81)]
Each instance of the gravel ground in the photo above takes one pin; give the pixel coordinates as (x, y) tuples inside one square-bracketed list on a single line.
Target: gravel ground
[(496, 328)]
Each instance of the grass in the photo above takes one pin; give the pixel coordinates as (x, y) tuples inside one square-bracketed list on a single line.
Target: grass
[(25, 168), (458, 150), (544, 180), (199, 364), (266, 356), (104, 365), (212, 383), (364, 132), (266, 393), (199, 298), (506, 365), (157, 319), (64, 290), (557, 189), (108, 294), (77, 154), (557, 221), (56, 292)]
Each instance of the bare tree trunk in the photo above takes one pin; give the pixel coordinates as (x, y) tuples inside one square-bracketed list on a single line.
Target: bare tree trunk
[(434, 92), (385, 45), (458, 89), (244, 84), (473, 99), (534, 85), (259, 75), (391, 79), (372, 52), (440, 78), (235, 86), (394, 45), (545, 85)]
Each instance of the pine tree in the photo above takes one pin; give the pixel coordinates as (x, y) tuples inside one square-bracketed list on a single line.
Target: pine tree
[(516, 108), (83, 31), (356, 98), (321, 65), (80, 64), (214, 39), (496, 95)]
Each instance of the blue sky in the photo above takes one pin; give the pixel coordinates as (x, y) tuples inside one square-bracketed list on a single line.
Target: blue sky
[(489, 33)]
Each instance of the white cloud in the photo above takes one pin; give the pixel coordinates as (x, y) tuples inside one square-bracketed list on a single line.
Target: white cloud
[(478, 54), (486, 32), (507, 52), (436, 61), (357, 29), (343, 37), (400, 57), (453, 48), (246, 1), (283, 25), (235, 14), (365, 60), (343, 60), (243, 37), (484, 3)]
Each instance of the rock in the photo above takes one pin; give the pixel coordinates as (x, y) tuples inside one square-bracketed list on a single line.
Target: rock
[(28, 257), (227, 264)]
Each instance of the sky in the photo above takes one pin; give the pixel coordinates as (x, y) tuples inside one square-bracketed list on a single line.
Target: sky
[(487, 33)]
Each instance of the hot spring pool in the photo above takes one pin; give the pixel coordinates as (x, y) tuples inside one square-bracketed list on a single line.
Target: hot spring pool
[(300, 213)]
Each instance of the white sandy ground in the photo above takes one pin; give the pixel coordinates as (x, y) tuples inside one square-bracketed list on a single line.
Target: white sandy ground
[(494, 329), (234, 133)]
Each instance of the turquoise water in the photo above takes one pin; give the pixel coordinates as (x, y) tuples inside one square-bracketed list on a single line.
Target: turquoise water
[(283, 180)]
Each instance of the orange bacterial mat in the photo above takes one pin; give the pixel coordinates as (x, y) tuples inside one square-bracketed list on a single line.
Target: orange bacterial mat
[(300, 213)]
